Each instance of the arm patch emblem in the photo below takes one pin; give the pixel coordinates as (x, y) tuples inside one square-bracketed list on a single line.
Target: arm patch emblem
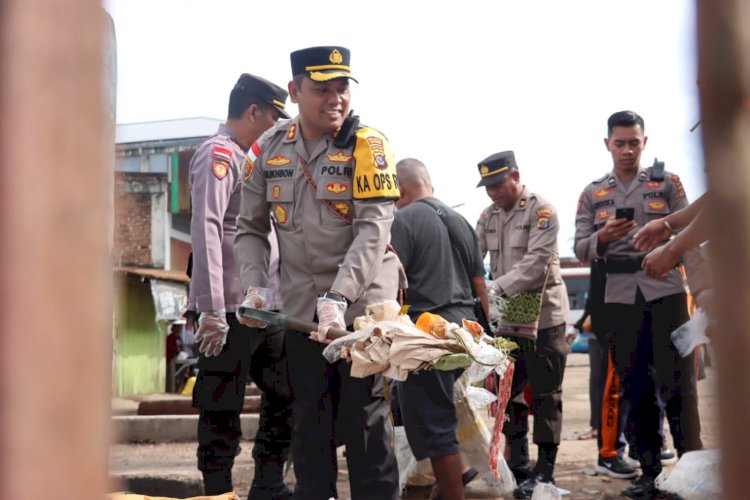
[(374, 167)]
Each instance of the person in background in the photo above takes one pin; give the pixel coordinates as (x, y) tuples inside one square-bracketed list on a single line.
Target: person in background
[(425, 242), (642, 311), (230, 350), (519, 230)]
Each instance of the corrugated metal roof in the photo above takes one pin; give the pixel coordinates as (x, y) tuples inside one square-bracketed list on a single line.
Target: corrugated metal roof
[(160, 274), (166, 129)]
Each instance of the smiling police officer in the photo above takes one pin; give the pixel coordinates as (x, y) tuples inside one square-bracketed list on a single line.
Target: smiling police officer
[(331, 186)]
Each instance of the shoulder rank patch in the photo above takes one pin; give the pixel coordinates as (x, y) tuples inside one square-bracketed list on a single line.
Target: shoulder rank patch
[(278, 161), (339, 157), (292, 132), (252, 155), (221, 169), (374, 166), (580, 203)]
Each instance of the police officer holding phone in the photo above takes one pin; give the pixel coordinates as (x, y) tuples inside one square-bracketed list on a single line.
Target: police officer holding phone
[(643, 311)]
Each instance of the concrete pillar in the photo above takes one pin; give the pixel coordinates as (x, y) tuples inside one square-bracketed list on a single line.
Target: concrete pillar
[(55, 269)]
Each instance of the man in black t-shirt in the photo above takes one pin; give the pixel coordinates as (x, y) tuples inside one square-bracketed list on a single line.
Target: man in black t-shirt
[(440, 254)]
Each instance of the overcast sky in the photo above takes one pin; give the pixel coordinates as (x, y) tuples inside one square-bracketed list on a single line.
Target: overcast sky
[(447, 82)]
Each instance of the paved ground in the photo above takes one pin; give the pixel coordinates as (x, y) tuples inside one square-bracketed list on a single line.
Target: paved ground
[(148, 465)]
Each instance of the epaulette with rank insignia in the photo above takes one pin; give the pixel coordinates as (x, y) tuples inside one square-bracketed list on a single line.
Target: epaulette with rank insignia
[(600, 179)]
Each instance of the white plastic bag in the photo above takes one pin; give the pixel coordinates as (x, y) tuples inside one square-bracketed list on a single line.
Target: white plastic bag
[(696, 476), (690, 334), (546, 491)]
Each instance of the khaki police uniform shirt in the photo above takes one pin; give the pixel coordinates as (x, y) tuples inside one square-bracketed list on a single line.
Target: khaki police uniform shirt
[(651, 200), (320, 249), (522, 243), (215, 182)]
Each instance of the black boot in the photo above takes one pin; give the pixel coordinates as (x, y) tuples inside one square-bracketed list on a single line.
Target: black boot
[(268, 482), (216, 483), (543, 471), (519, 463), (643, 487), (545, 465)]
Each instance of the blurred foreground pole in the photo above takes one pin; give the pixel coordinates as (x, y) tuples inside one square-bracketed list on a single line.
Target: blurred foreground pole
[(724, 79), (55, 270)]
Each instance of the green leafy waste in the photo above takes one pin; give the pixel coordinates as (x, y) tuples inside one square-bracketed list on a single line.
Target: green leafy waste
[(524, 307)]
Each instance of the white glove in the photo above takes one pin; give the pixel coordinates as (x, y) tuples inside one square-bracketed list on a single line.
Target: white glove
[(257, 298), (212, 330), (493, 289), (330, 314)]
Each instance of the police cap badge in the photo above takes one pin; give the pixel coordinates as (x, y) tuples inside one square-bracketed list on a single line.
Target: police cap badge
[(322, 63)]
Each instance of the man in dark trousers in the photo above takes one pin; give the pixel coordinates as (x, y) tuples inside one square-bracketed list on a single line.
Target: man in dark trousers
[(228, 349), (643, 311), (332, 189), (519, 230), (445, 271)]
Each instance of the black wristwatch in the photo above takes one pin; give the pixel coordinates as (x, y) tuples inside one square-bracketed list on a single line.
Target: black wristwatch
[(336, 297)]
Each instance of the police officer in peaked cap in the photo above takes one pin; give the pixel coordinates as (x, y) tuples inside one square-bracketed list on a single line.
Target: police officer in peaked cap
[(228, 349), (331, 184)]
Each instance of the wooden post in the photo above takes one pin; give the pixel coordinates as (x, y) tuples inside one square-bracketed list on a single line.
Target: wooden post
[(55, 270), (724, 72)]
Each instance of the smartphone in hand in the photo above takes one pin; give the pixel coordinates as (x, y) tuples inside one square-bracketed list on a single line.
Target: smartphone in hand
[(625, 213)]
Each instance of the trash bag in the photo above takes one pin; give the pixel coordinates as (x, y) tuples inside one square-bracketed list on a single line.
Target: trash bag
[(407, 462), (474, 444), (695, 476), (546, 491)]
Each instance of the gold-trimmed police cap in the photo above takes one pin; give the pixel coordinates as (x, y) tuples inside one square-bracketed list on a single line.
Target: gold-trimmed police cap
[(262, 90), (494, 168), (322, 63)]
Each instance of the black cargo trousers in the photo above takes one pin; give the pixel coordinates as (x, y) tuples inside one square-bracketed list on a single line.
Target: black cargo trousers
[(219, 395)]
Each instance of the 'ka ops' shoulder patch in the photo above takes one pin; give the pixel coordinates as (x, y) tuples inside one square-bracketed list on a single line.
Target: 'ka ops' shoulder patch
[(374, 166)]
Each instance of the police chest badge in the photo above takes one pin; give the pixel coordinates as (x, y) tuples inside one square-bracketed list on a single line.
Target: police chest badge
[(280, 213)]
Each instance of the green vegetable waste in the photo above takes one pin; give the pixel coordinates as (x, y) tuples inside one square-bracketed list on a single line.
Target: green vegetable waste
[(524, 307)]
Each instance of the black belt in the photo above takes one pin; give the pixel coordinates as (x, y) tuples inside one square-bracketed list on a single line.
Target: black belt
[(623, 265)]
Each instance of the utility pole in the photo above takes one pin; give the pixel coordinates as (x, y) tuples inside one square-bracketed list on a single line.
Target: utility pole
[(55, 267), (724, 80)]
